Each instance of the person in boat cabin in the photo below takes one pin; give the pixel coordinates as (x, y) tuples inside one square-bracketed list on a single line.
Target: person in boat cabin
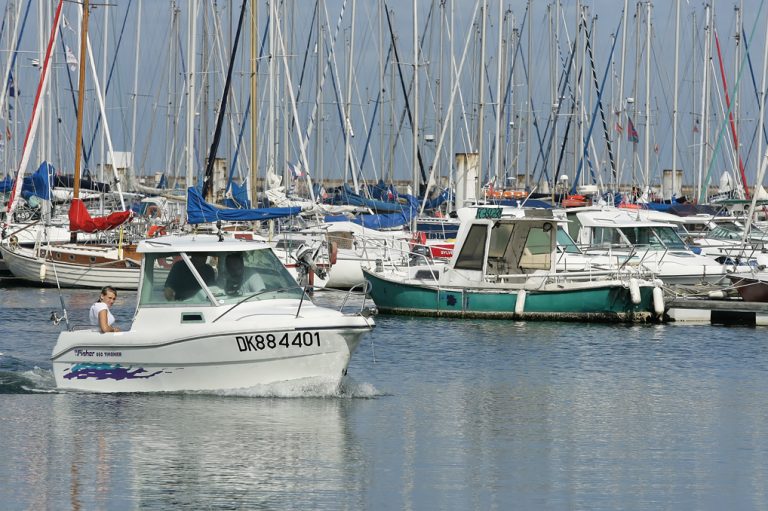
[(181, 283), (238, 280), (100, 315)]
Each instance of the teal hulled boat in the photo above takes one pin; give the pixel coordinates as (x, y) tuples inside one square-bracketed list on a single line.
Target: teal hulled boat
[(504, 266)]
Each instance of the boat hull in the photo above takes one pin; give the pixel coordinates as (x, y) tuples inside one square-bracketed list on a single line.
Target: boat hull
[(130, 362), (24, 264), (605, 302), (750, 289)]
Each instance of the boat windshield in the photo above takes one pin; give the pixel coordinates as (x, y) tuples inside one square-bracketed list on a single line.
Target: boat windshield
[(565, 243), (660, 237), (229, 276)]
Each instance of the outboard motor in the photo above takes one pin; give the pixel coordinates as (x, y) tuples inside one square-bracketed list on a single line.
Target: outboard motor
[(306, 265)]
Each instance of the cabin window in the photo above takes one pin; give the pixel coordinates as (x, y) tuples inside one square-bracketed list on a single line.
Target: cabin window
[(537, 254), (607, 237), (669, 238), (473, 251), (574, 227), (566, 243), (229, 276), (501, 257)]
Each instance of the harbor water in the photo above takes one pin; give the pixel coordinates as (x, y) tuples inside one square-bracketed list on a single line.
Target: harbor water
[(434, 414)]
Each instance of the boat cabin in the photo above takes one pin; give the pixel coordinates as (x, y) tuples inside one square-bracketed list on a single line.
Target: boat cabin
[(182, 271), (495, 247)]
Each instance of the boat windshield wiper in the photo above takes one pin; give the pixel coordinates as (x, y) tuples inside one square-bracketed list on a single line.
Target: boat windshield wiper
[(263, 291)]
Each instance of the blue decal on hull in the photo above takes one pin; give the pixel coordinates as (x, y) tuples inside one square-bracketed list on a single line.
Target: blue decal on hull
[(107, 372)]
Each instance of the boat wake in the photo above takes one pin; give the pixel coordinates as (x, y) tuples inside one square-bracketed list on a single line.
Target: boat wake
[(27, 382), (37, 380), (309, 387)]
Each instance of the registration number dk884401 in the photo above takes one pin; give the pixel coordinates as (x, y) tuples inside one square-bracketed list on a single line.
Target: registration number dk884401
[(260, 342)]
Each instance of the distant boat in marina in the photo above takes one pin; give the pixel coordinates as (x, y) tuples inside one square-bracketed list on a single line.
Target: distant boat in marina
[(505, 266)]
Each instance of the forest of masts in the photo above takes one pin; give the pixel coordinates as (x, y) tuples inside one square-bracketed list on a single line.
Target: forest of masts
[(550, 95)]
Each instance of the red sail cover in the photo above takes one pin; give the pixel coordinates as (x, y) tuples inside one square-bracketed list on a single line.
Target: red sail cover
[(80, 220)]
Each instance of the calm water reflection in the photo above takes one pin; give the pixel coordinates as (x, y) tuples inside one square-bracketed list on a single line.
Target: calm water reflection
[(436, 414)]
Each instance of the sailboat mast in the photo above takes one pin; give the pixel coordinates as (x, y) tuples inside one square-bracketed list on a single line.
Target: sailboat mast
[(254, 104), (674, 106), (135, 90), (80, 98), (481, 98), (80, 105), (647, 133), (191, 54), (415, 149), (499, 97)]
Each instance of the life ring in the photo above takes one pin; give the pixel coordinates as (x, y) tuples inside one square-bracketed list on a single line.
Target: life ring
[(152, 211), (156, 230)]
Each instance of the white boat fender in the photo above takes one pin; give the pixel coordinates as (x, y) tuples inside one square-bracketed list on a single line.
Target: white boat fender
[(42, 272), (634, 291), (658, 301), (716, 295), (520, 302)]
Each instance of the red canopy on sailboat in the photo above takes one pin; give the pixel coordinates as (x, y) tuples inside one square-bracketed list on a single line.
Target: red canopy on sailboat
[(81, 221)]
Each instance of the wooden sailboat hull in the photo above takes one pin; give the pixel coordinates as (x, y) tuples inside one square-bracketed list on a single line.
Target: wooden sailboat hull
[(87, 269), (609, 302)]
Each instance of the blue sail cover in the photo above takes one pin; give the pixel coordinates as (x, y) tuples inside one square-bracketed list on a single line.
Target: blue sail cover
[(239, 197), (348, 196), (39, 183), (439, 200), (384, 220), (199, 211), (6, 184)]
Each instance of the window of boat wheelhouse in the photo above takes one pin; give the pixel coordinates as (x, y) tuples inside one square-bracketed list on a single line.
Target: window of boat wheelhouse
[(565, 242), (669, 238), (607, 237), (537, 253), (472, 252), (228, 276), (574, 227)]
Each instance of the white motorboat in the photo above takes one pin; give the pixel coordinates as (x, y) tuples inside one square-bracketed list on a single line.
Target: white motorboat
[(653, 245), (222, 334)]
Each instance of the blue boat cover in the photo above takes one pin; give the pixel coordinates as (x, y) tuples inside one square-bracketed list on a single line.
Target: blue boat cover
[(39, 183), (199, 211), (239, 197), (6, 184)]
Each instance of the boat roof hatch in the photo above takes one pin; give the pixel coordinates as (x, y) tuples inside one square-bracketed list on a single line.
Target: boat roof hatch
[(198, 243)]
